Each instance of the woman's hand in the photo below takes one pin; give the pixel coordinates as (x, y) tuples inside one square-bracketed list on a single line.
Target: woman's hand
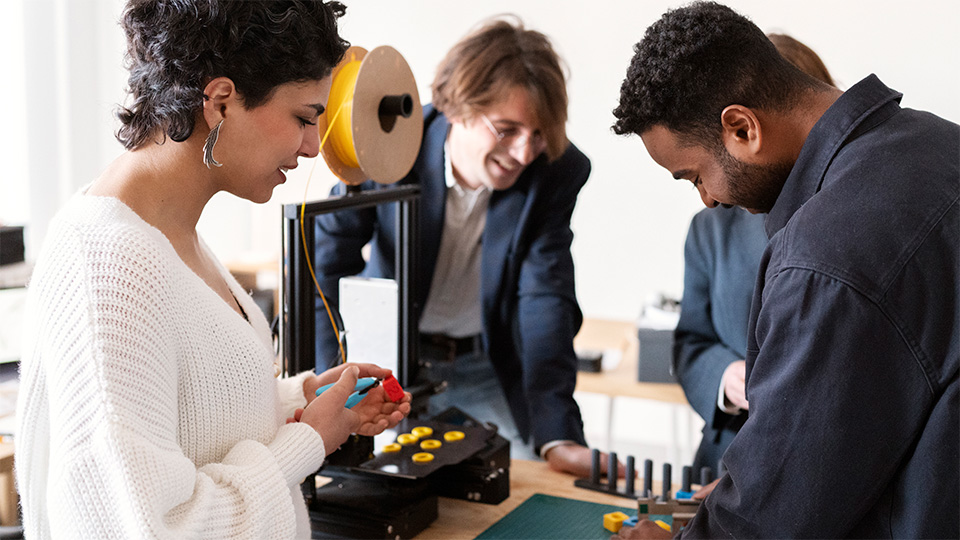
[(378, 413), (311, 383), (334, 422)]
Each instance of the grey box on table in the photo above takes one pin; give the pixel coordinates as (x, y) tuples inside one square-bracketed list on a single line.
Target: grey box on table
[(656, 353), (11, 245)]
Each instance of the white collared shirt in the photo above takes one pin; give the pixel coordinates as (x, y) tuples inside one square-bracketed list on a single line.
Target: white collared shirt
[(453, 303)]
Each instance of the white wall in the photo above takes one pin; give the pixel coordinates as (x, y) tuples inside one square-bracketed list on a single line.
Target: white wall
[(15, 189), (631, 218), (61, 61)]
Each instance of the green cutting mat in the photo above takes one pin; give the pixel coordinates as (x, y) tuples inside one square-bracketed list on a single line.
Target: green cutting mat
[(552, 518)]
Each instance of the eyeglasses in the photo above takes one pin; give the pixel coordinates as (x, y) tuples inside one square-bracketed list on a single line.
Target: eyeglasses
[(512, 139)]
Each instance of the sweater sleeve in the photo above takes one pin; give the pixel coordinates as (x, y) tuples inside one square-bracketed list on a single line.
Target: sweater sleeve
[(291, 393), (117, 467)]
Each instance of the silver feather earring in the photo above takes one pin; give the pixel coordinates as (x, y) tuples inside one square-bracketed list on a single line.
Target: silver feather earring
[(208, 146)]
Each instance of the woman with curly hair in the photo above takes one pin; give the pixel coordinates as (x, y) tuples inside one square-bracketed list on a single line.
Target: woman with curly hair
[(148, 405)]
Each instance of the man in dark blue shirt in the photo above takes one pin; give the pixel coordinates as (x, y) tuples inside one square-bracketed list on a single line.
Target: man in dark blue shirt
[(852, 347), (721, 256)]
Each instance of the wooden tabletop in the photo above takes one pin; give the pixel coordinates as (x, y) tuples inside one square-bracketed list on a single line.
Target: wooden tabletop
[(9, 513), (6, 457), (603, 335), (463, 519)]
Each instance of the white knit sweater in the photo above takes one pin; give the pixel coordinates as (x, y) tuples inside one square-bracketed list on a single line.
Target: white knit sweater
[(148, 406)]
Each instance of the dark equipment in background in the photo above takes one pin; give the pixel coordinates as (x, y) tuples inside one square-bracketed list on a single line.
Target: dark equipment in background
[(11, 245)]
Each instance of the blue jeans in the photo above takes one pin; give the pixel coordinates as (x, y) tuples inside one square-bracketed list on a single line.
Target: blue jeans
[(473, 387)]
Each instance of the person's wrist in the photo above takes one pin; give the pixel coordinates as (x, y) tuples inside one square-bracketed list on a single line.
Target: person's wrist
[(552, 445), (724, 403)]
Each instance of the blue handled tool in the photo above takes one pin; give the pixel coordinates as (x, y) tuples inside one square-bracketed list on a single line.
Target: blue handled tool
[(363, 386)]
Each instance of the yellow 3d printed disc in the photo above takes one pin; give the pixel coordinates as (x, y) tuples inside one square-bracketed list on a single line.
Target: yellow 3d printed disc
[(407, 439), (430, 444), (422, 431), (422, 457), (453, 436)]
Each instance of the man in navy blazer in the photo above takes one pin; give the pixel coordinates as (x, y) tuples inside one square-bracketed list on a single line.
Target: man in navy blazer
[(499, 181)]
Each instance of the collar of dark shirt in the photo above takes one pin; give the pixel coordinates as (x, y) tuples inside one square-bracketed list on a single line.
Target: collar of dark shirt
[(828, 135)]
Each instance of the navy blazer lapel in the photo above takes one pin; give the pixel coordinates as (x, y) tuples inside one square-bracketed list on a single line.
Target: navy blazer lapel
[(433, 193), (504, 218)]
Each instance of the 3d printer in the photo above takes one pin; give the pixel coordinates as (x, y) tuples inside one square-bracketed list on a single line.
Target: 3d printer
[(359, 492)]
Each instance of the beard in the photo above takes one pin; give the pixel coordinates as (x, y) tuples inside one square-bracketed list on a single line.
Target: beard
[(754, 187)]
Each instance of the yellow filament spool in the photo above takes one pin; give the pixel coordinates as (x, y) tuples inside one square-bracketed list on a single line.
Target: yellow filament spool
[(430, 444), (341, 97), (422, 457), (422, 431), (374, 117)]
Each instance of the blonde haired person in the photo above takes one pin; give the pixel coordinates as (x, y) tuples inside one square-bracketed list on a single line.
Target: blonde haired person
[(499, 181)]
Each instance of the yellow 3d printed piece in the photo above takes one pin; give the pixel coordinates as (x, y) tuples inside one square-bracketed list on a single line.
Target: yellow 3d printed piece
[(663, 525), (422, 457), (422, 431), (614, 520), (392, 447), (430, 444), (407, 439), (453, 436)]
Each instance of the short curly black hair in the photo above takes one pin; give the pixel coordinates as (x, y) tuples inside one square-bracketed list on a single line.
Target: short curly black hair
[(174, 47), (694, 62)]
